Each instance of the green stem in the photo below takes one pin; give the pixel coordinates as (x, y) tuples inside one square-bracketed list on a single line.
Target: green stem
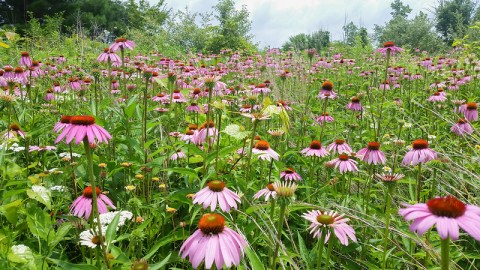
[(388, 206), (419, 181), (321, 244), (445, 247), (283, 207), (144, 135), (95, 213), (331, 243)]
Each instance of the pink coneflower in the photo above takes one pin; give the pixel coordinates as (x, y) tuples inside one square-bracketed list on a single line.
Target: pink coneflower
[(316, 149), (268, 192), (345, 164), (325, 117), (390, 47), (283, 104), (354, 104), (290, 175), (261, 89), (122, 43), (325, 221), (63, 123), (49, 96), (204, 131), (193, 107), (216, 192), (81, 126), (25, 59), (385, 85), (327, 91), (13, 130), (82, 206), (420, 153), (179, 154), (437, 97), (108, 55), (372, 154), (20, 75), (213, 243), (462, 127), (339, 146), (389, 177), (447, 213), (471, 112), (264, 152), (246, 108), (188, 136), (161, 97)]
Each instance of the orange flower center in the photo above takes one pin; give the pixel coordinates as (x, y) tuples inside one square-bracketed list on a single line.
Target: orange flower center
[(204, 125), (339, 142), (315, 145), (189, 132), (192, 127), (327, 85), (355, 100), (436, 94), (462, 121), (262, 145), (88, 192), (343, 157), (420, 144), (216, 185), (18, 70), (84, 120), (261, 85), (325, 219), (122, 39), (197, 91), (14, 127), (446, 207), (270, 186), (97, 240), (25, 54), (289, 171), (373, 146), (211, 223), (472, 106), (246, 106), (388, 44)]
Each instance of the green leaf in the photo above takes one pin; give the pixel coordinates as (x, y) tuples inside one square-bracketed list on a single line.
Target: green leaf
[(10, 211), (4, 45), (184, 171), (254, 260), (303, 250), (60, 235), (71, 266), (39, 223), (40, 194), (130, 109), (160, 264), (112, 229), (164, 241), (236, 131)]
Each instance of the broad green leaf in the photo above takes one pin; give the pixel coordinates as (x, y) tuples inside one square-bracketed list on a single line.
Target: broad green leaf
[(60, 235), (164, 241), (39, 223), (4, 45), (303, 251), (112, 229), (10, 211), (236, 131), (254, 260), (71, 266), (184, 171), (160, 264), (40, 194)]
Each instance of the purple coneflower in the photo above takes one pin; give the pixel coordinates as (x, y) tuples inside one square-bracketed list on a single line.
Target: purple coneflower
[(437, 97), (122, 43), (25, 59), (204, 131), (345, 164), (264, 152), (81, 126), (471, 112), (327, 91), (213, 243), (325, 117), (390, 47), (108, 55), (447, 213), (420, 153), (179, 154), (323, 220), (354, 104), (13, 130), (339, 146), (316, 149), (32, 148), (216, 192), (82, 206), (462, 127), (290, 175), (372, 154), (268, 192), (261, 89)]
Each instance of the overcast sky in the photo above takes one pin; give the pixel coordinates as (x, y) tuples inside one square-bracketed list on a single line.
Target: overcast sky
[(274, 21)]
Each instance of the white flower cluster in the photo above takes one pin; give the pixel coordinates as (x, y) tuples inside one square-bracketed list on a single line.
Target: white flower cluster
[(107, 218), (22, 252), (59, 188), (67, 154), (14, 147)]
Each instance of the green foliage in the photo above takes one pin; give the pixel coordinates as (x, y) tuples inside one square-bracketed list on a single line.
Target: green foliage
[(319, 40), (453, 18)]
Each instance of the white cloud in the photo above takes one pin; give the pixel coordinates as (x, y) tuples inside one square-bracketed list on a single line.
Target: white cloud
[(274, 21)]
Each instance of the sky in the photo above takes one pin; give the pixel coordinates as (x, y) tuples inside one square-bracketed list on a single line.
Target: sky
[(274, 21)]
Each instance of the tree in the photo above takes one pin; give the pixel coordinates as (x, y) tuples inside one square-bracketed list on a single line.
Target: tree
[(350, 31), (453, 18), (318, 40), (234, 28), (399, 9)]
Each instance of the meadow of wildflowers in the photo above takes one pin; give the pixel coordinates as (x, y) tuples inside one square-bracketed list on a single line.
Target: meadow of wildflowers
[(341, 159)]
